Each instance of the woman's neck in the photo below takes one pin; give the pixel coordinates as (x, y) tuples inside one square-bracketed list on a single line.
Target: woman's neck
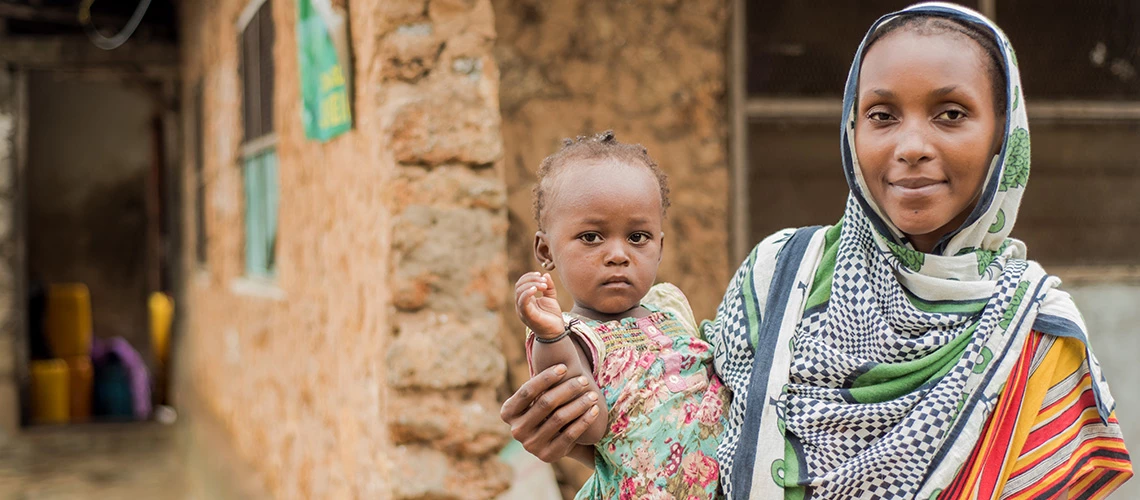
[(924, 242)]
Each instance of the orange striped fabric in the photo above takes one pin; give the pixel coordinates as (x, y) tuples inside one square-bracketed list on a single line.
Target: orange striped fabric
[(1045, 439)]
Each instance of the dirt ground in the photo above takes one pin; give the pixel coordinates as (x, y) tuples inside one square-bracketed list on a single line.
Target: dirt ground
[(126, 461)]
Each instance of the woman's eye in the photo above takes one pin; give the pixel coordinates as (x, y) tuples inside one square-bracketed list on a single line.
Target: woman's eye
[(639, 238), (879, 116), (590, 237), (952, 115)]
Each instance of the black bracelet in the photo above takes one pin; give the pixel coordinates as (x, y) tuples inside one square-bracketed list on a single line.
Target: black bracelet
[(565, 332)]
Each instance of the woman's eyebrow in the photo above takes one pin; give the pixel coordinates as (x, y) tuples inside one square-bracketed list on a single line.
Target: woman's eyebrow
[(944, 90), (883, 93), (937, 92)]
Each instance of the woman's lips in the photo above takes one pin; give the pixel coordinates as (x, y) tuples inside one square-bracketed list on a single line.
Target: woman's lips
[(914, 182), (916, 187)]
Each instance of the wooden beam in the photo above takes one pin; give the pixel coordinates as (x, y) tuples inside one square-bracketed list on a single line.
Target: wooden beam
[(740, 228), (78, 52), (988, 8), (56, 15), (29, 13)]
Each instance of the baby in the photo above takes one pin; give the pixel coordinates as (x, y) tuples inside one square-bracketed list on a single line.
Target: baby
[(600, 207)]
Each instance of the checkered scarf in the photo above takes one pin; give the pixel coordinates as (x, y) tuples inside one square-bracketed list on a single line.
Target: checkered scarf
[(886, 361)]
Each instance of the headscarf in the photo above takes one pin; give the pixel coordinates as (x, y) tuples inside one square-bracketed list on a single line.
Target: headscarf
[(874, 376)]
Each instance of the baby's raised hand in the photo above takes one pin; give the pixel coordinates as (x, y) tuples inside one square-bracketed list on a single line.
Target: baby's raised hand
[(537, 305)]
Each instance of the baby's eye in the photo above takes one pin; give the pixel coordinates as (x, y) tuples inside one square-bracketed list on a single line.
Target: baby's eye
[(639, 238), (951, 115), (590, 237)]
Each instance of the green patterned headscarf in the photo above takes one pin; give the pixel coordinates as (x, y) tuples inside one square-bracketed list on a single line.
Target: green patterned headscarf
[(987, 228)]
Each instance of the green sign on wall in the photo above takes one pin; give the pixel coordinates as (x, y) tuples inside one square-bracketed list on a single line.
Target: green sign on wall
[(322, 50)]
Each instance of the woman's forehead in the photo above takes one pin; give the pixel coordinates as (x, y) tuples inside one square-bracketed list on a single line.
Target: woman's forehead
[(942, 59)]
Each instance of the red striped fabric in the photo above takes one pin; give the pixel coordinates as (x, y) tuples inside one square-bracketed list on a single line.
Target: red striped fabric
[(1045, 439)]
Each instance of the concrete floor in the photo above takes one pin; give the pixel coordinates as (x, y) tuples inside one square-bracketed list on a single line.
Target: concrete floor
[(128, 461), (91, 461), (1113, 318)]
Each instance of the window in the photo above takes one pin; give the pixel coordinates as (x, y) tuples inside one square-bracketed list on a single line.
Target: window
[(259, 154), (1082, 50), (260, 179), (1080, 66)]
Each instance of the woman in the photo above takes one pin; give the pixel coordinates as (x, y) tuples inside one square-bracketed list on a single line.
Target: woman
[(909, 351)]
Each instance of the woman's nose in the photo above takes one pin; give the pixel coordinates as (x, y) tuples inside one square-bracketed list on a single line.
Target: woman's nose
[(913, 146)]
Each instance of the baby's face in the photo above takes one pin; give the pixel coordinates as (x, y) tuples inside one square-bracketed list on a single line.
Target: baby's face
[(604, 233)]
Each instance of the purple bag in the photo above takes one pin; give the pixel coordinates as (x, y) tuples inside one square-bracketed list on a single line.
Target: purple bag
[(102, 349)]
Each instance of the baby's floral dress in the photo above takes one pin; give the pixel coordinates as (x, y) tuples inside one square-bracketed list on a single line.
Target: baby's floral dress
[(666, 406)]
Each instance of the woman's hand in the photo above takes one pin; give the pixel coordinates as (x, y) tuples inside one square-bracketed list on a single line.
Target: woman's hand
[(548, 415), (537, 305)]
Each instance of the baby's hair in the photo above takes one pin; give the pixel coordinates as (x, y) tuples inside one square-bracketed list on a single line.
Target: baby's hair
[(927, 24), (602, 146)]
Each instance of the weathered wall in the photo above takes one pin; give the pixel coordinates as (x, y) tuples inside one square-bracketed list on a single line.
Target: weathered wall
[(12, 349), (654, 72), (448, 264), (368, 368), (90, 146)]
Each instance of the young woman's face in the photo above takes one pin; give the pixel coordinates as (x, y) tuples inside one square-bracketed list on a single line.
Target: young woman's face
[(603, 231), (925, 131)]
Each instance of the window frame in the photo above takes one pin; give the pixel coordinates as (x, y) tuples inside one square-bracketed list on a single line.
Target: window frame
[(259, 122), (198, 164)]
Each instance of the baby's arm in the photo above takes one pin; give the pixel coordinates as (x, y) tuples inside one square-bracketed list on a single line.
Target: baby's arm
[(570, 353), (538, 309)]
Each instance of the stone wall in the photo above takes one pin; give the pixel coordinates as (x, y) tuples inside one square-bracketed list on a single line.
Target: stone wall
[(368, 369), (13, 350), (654, 72), (449, 243)]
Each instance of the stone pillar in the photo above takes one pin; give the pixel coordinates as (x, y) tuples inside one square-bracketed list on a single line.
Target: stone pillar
[(13, 355), (448, 250), (655, 72)]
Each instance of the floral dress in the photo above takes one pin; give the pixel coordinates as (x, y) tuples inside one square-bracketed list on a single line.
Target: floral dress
[(666, 406)]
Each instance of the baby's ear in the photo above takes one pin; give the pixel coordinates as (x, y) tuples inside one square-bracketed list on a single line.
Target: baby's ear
[(542, 248)]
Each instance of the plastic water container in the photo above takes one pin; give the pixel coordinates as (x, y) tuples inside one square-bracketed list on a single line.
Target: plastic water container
[(81, 379), (113, 398), (67, 322), (50, 392), (161, 316)]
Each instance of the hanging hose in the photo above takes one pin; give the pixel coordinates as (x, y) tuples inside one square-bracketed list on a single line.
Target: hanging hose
[(113, 42)]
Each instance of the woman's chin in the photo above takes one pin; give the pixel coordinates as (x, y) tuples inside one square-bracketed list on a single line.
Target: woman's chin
[(920, 224)]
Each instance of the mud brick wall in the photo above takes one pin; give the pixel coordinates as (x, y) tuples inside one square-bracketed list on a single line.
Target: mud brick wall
[(368, 367)]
